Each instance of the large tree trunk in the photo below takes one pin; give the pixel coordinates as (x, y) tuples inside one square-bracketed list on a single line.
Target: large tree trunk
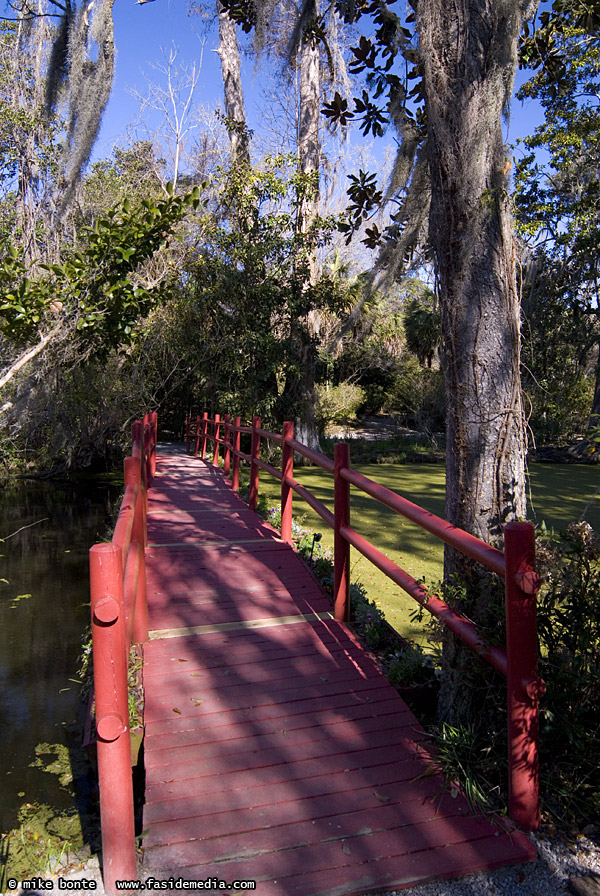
[(469, 59), (309, 160), (232, 84)]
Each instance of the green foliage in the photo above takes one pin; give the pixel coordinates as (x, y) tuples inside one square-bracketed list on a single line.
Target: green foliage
[(337, 405), (568, 611), (557, 215), (417, 396), (569, 632), (410, 666), (471, 763), (25, 304), (372, 351), (96, 286), (542, 43), (240, 316), (369, 620), (423, 326)]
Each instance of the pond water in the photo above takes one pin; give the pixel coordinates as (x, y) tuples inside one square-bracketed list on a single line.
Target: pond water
[(44, 614)]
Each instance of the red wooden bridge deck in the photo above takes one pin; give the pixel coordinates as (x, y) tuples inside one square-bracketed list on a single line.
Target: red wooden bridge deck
[(275, 750)]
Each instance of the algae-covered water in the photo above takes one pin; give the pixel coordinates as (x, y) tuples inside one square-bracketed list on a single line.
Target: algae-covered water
[(46, 531)]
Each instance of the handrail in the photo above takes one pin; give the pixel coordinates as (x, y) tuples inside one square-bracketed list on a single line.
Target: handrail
[(120, 619), (474, 548), (516, 565)]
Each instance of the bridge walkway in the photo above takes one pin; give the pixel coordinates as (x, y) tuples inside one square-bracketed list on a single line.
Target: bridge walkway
[(275, 750)]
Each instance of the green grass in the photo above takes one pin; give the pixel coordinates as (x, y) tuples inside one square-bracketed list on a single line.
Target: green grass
[(559, 494)]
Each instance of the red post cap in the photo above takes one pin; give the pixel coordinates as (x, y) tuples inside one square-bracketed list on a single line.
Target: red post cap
[(110, 726)]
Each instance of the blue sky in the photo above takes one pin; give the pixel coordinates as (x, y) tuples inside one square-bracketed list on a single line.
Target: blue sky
[(142, 31)]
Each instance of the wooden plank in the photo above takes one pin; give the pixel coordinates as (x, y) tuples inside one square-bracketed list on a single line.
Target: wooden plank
[(319, 845), (243, 621), (318, 797), (328, 777), (168, 721), (221, 727)]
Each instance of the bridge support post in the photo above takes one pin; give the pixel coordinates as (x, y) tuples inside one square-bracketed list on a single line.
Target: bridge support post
[(136, 602), (197, 442), (153, 442), (217, 434), (287, 472), (524, 688), (253, 499), (341, 548), (204, 433), (235, 476), (112, 715)]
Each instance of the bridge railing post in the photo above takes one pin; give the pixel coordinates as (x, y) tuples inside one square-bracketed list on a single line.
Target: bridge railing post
[(204, 434), (524, 688), (255, 454), (216, 434), (227, 446), (153, 443), (287, 472), (235, 477), (135, 560), (137, 448), (197, 442), (112, 715), (147, 448), (188, 433), (341, 548)]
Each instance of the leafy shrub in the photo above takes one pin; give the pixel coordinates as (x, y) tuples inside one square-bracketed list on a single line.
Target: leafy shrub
[(417, 396), (368, 619), (410, 666), (337, 405), (569, 662), (569, 633)]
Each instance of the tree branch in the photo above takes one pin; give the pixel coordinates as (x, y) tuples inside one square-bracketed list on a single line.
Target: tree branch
[(28, 356)]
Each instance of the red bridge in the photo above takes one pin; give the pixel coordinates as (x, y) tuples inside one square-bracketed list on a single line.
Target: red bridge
[(275, 751)]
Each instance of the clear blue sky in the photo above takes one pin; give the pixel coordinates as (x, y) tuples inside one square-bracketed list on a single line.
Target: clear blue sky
[(142, 31)]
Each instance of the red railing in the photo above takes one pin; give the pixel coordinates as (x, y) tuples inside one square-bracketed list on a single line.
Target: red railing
[(120, 619), (516, 565)]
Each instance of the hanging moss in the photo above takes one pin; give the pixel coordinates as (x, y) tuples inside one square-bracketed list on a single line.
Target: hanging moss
[(91, 62)]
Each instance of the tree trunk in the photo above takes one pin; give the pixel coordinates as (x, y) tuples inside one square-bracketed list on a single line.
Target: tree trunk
[(595, 411), (309, 145), (232, 85), (309, 160), (469, 52)]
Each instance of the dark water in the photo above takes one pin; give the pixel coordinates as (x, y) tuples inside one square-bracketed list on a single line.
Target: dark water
[(41, 634)]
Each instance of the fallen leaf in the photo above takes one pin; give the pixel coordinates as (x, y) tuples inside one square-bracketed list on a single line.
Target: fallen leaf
[(178, 711), (346, 848), (381, 797)]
